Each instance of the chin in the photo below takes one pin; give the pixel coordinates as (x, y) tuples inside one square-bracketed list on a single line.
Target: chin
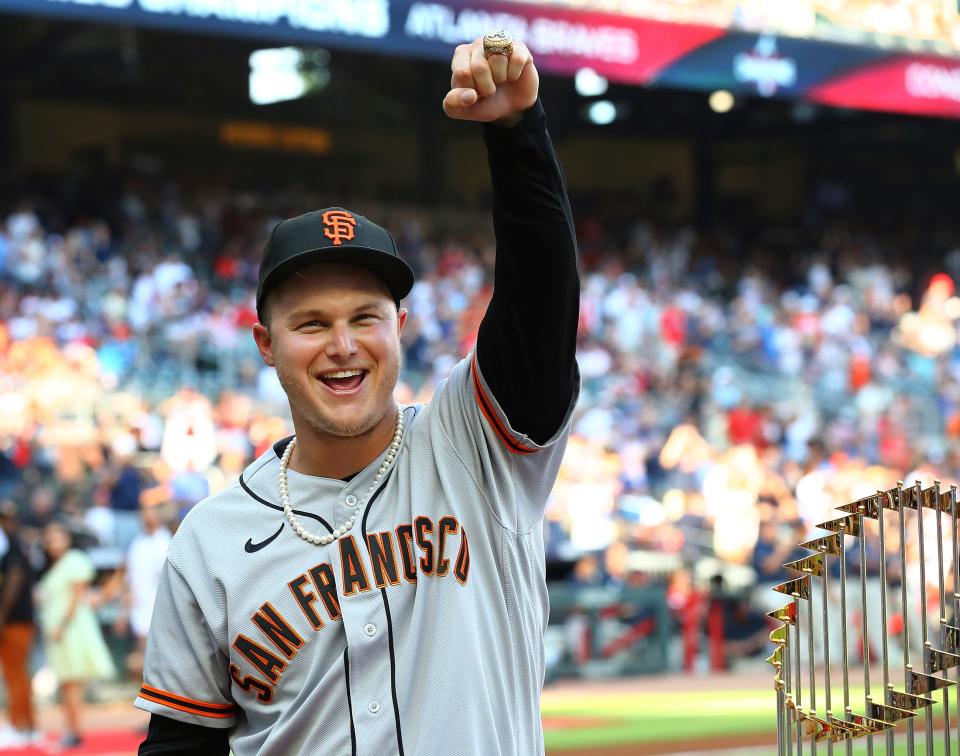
[(348, 424)]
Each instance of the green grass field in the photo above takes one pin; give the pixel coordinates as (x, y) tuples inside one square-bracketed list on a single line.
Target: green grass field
[(657, 717), (599, 719)]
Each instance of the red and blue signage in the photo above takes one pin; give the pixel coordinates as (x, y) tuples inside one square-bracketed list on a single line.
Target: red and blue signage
[(622, 48)]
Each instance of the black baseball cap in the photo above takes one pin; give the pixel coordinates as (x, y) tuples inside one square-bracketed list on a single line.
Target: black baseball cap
[(332, 235)]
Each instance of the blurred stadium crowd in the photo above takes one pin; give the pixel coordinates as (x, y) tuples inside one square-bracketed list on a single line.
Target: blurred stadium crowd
[(735, 388)]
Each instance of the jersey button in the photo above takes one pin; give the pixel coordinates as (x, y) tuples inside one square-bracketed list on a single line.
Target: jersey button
[(373, 707), (351, 500), (370, 629)]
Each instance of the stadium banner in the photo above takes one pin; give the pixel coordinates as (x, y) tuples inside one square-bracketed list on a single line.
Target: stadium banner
[(765, 64), (923, 85), (623, 48)]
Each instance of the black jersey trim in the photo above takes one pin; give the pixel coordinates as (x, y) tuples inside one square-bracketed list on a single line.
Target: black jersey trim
[(281, 446), (386, 607), (189, 705), (393, 670), (310, 515), (346, 674)]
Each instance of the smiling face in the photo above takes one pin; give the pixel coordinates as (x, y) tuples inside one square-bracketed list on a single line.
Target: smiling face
[(333, 334)]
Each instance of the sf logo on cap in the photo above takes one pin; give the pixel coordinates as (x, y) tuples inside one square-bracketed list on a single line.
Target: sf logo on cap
[(339, 226)]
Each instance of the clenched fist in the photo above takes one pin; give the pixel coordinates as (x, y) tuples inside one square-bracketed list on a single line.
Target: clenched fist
[(497, 88)]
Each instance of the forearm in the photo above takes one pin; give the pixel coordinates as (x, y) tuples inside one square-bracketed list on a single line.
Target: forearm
[(527, 340)]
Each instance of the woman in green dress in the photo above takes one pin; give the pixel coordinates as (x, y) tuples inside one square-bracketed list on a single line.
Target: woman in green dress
[(74, 644)]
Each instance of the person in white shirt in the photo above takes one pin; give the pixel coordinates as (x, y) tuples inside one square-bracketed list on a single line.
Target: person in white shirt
[(138, 579)]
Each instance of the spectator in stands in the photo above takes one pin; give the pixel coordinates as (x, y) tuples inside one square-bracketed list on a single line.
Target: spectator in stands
[(42, 512), (125, 485), (746, 631), (74, 643), (588, 572), (776, 545), (137, 579), (688, 606), (10, 472), (825, 367), (99, 518), (16, 633)]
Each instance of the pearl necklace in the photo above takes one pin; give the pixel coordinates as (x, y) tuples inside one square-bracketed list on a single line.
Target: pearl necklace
[(323, 540)]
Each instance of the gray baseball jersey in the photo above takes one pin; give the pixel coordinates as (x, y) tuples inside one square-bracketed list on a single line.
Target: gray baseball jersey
[(420, 632)]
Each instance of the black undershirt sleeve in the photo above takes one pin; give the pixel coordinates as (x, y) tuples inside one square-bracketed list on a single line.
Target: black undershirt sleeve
[(170, 736), (526, 346)]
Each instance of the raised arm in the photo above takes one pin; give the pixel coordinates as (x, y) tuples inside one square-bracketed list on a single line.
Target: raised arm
[(526, 347)]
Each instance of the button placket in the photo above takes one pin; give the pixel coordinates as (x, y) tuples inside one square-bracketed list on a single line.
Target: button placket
[(364, 623)]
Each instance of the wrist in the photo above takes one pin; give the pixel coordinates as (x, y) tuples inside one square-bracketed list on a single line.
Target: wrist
[(510, 121), (515, 118)]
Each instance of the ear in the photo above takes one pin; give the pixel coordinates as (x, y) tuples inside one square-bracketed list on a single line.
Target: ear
[(264, 343), (401, 319)]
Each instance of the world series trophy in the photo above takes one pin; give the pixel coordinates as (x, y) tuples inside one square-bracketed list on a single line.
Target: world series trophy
[(875, 565)]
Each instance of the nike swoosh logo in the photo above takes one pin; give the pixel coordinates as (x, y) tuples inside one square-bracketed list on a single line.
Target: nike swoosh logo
[(250, 547)]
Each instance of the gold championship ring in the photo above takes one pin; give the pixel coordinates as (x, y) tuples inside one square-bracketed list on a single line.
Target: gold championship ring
[(498, 43)]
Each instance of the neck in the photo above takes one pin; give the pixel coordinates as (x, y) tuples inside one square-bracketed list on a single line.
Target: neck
[(329, 456)]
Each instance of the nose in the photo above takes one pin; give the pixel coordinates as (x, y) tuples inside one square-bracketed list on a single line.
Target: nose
[(341, 342)]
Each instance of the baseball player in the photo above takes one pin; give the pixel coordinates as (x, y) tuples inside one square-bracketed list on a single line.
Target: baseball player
[(375, 584)]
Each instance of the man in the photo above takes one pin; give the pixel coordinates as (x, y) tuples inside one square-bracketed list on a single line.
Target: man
[(772, 550), (125, 485), (376, 584), (16, 633), (144, 558), (137, 580)]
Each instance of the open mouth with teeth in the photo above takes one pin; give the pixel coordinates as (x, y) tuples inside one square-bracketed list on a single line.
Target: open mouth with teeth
[(343, 381)]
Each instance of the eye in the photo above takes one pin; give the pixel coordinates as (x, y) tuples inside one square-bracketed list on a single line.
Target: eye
[(366, 316), (310, 324)]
